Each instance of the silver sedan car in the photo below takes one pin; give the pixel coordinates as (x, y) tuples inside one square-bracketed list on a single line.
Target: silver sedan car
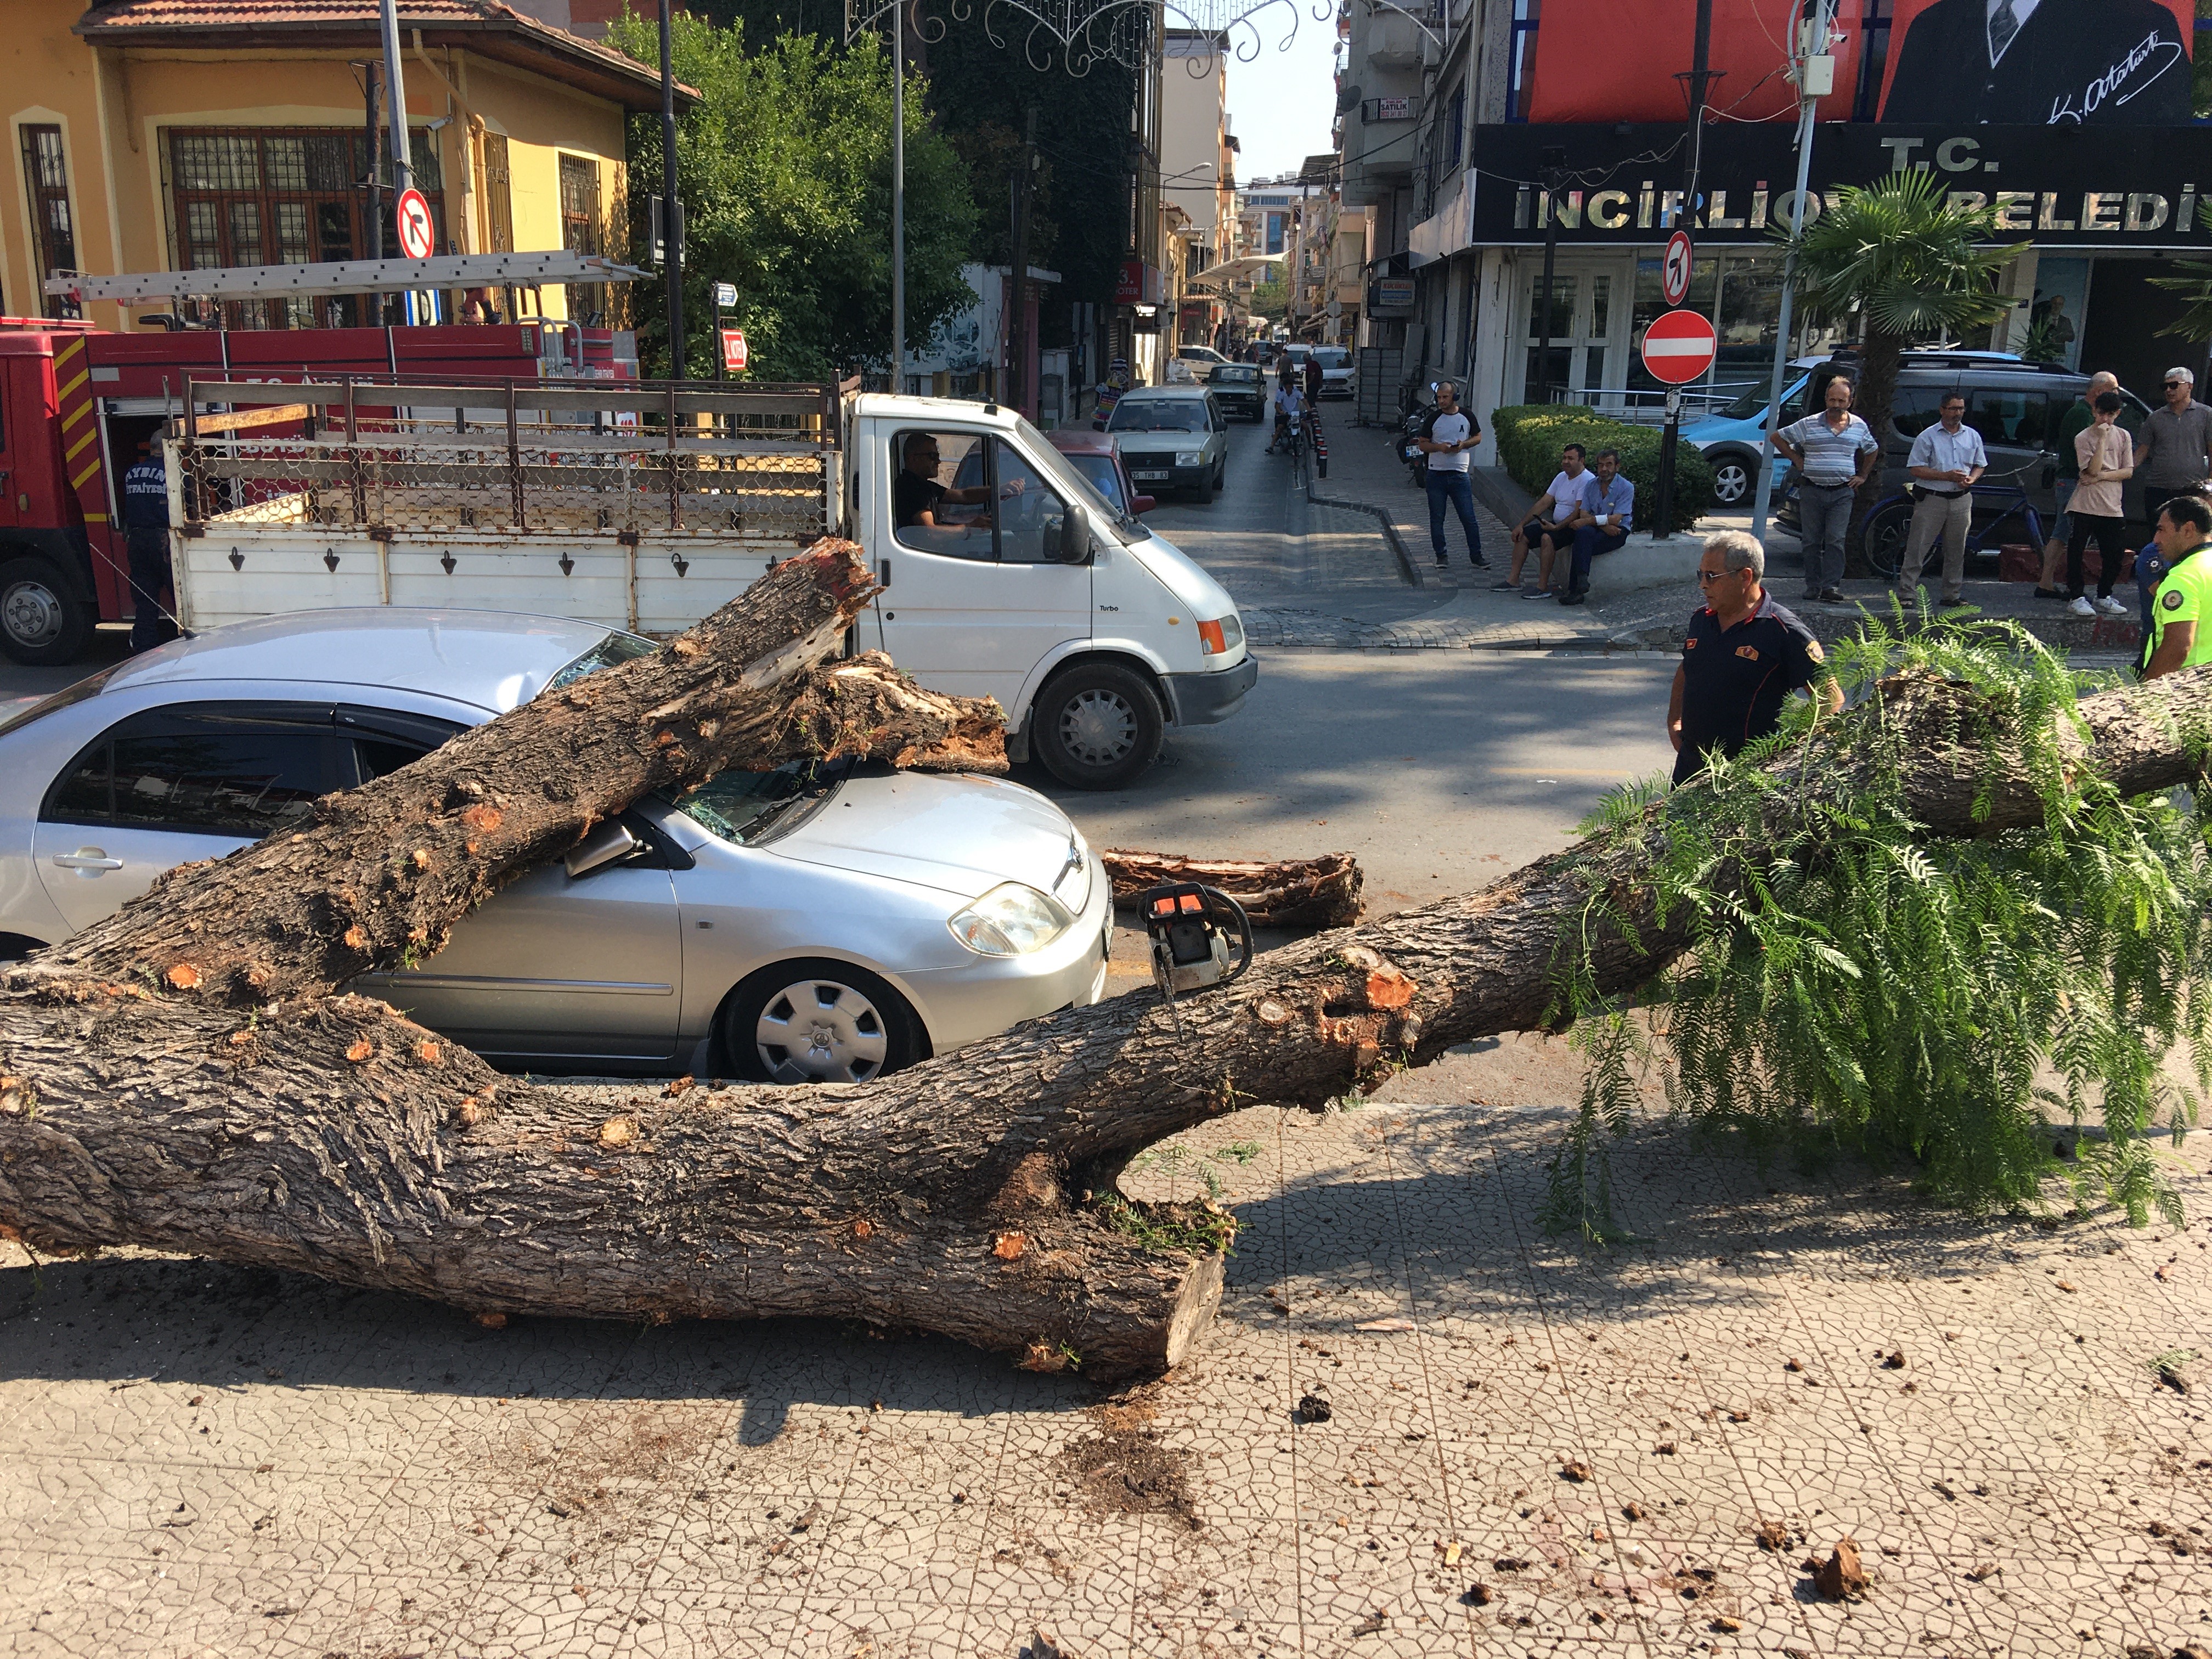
[(817, 922)]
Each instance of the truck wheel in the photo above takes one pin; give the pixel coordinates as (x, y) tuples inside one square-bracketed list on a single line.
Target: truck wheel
[(817, 1021), (39, 623), (1097, 726)]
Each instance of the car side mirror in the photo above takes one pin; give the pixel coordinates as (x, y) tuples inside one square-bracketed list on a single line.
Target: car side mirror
[(1069, 542), (609, 843), (1140, 505)]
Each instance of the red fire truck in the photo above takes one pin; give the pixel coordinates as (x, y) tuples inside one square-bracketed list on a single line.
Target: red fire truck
[(75, 400)]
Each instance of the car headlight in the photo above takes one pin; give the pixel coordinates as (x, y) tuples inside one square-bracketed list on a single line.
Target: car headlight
[(1218, 639), (1190, 457), (1011, 920)]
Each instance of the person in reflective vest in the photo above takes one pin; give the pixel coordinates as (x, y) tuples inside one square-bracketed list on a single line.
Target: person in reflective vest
[(2179, 637)]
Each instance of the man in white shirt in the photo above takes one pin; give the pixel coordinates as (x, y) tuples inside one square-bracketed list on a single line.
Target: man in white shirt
[(1946, 459), (1288, 402), (1449, 436), (1551, 523)]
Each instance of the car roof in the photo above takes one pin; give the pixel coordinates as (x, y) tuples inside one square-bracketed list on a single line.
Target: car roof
[(1139, 393), (494, 659)]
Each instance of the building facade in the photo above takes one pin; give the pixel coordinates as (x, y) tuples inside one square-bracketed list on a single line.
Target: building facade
[(1477, 132), (164, 135)]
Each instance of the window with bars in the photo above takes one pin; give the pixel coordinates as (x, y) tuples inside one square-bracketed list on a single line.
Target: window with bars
[(270, 196), (499, 195), (46, 182), (581, 233)]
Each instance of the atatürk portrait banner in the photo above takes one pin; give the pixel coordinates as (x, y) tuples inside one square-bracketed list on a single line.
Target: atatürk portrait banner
[(2058, 187)]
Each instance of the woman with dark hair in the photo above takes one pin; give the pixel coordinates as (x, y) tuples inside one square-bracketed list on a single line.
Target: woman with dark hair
[(2106, 456)]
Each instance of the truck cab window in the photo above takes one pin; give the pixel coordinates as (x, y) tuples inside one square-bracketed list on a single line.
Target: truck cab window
[(1031, 518), (941, 494)]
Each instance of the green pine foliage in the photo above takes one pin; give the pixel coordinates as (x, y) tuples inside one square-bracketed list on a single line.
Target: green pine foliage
[(1855, 985), (784, 170)]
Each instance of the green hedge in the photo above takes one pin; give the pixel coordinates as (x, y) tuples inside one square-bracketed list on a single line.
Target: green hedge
[(1529, 436)]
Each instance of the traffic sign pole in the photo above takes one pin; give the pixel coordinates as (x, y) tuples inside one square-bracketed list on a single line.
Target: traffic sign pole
[(1677, 348)]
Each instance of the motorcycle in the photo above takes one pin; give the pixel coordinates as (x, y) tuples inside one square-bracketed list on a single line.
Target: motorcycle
[(1415, 458)]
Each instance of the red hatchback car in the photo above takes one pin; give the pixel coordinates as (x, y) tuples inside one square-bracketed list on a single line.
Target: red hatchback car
[(1093, 455)]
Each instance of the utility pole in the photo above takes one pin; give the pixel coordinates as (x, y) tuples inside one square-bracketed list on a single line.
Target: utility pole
[(1808, 108), (403, 170), (1552, 175), (672, 226), (1018, 290), (371, 181), (898, 196), (1662, 520)]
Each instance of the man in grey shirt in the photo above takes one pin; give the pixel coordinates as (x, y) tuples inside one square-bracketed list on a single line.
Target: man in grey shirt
[(1835, 452), (2175, 449)]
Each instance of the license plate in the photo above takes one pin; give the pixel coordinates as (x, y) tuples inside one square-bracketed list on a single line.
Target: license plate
[(1150, 477)]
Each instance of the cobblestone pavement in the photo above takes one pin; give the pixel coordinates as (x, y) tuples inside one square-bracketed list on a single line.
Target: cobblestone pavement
[(1531, 1449)]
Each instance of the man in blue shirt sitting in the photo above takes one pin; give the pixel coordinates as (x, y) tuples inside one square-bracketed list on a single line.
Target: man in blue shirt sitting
[(1601, 523)]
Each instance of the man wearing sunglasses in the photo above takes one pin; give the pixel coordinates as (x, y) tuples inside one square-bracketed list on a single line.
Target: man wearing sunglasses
[(1744, 656), (2175, 448)]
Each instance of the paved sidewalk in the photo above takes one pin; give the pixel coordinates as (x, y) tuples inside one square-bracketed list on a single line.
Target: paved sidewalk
[(1531, 1449)]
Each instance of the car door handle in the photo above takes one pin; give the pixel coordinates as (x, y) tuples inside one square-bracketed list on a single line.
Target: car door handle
[(88, 858)]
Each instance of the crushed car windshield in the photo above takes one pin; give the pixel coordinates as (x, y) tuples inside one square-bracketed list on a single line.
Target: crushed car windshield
[(749, 808), (609, 653), (1160, 415)]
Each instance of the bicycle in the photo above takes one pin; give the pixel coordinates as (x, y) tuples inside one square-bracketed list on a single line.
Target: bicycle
[(1885, 529)]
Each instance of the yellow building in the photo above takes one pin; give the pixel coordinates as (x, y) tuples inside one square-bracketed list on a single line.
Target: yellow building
[(168, 135)]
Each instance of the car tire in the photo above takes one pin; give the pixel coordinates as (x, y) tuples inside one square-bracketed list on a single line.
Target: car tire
[(1882, 540), (1097, 726), (856, 1028), (39, 624), (1734, 479), (1221, 477)]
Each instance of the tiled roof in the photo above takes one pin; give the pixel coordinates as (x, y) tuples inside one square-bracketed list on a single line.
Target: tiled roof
[(450, 22)]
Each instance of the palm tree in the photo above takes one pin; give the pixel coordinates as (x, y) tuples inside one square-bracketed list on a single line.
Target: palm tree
[(1910, 266), (2194, 284)]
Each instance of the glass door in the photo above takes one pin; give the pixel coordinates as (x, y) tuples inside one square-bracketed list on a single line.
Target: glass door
[(1583, 362)]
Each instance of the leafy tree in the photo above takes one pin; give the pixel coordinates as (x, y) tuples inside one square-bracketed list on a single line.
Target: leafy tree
[(1909, 266), (1270, 299), (784, 170)]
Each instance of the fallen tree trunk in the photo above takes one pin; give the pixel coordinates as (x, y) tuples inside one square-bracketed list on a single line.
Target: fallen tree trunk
[(1320, 893), (970, 1195)]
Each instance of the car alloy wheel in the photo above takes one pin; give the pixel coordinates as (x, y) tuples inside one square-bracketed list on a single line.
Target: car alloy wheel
[(816, 1022), (1731, 482)]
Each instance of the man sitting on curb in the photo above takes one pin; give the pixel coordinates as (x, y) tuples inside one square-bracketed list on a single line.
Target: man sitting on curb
[(1601, 523), (1547, 523)]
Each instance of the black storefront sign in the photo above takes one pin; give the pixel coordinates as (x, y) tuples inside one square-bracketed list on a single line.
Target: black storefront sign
[(2058, 186)]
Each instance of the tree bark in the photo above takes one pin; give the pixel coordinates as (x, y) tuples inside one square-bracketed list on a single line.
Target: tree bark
[(1321, 892), (326, 1133)]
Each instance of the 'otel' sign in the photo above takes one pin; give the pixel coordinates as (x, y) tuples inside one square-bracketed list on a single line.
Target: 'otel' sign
[(417, 237), (1678, 347)]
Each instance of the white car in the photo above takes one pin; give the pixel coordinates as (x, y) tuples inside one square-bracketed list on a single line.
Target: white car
[(818, 923), (1203, 360)]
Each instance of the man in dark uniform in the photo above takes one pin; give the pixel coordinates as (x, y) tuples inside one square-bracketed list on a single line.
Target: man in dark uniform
[(2038, 63), (146, 522), (1744, 656)]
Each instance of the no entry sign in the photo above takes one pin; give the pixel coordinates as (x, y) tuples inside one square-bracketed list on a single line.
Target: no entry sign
[(1678, 347), (417, 235)]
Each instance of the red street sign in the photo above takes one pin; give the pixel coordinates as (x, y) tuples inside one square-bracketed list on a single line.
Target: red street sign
[(1675, 269), (418, 236), (1678, 347), (733, 349)]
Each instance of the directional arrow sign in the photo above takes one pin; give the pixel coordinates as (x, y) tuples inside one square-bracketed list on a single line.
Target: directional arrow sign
[(417, 235), (1678, 347)]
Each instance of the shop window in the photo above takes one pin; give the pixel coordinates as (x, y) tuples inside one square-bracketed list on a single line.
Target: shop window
[(53, 229)]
